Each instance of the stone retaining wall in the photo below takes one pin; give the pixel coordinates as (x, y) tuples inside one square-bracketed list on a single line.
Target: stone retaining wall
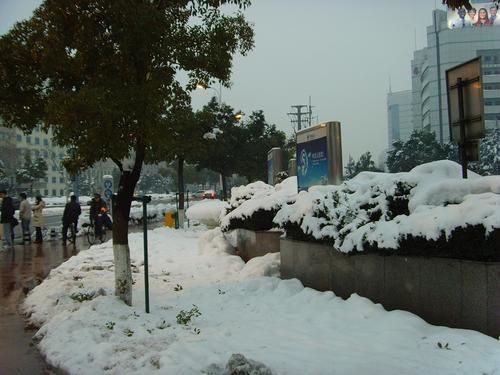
[(250, 244), (450, 292)]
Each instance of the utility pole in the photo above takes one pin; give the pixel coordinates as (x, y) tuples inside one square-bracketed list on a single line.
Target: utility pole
[(300, 117)]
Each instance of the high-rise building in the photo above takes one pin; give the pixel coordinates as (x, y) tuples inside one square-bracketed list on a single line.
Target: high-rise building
[(399, 115), (449, 46)]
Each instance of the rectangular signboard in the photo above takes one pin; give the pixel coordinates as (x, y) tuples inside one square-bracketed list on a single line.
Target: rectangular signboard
[(275, 164), (473, 107), (319, 155), (482, 14)]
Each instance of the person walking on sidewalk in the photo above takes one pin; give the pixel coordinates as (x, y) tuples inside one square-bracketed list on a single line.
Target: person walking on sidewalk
[(7, 218), (70, 217), (38, 218), (25, 217)]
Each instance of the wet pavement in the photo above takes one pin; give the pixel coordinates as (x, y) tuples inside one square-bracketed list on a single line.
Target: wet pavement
[(21, 269)]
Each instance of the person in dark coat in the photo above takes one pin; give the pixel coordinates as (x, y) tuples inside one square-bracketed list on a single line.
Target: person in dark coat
[(70, 217), (7, 218), (98, 214)]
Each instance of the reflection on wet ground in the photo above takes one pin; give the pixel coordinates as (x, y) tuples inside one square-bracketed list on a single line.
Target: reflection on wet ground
[(21, 269)]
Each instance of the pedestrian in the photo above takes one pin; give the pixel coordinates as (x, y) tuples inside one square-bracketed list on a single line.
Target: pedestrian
[(38, 218), (7, 218), (25, 217), (70, 217), (98, 214)]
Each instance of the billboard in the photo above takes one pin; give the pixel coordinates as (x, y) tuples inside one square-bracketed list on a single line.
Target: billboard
[(482, 14), (275, 165), (312, 163), (319, 155)]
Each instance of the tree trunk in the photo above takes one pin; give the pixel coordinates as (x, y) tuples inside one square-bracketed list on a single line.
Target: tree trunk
[(121, 211), (180, 189)]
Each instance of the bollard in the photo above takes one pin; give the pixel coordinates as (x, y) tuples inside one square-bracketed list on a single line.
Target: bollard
[(52, 233)]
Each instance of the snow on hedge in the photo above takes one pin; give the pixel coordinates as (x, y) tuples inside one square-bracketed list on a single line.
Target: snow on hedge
[(207, 211), (382, 208), (248, 199)]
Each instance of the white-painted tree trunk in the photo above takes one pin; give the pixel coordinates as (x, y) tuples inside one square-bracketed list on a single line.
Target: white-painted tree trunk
[(181, 218), (123, 273)]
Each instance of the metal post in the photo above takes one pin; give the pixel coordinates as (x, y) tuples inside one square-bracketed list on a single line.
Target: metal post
[(463, 152), (145, 224)]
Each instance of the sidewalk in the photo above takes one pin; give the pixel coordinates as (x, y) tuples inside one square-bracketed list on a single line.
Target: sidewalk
[(21, 269)]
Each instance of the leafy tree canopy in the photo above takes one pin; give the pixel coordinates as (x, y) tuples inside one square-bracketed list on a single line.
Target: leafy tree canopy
[(454, 4), (422, 147), (365, 163), (103, 73)]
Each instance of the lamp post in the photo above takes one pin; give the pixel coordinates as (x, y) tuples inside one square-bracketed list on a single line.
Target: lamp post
[(218, 92)]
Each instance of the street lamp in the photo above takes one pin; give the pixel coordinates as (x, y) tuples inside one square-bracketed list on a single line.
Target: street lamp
[(201, 86), (239, 115)]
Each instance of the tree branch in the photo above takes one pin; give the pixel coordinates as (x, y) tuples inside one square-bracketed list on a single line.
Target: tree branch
[(118, 163)]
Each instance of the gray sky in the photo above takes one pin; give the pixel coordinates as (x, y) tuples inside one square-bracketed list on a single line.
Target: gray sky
[(341, 53)]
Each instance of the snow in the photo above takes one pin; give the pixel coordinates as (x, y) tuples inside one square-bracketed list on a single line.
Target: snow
[(245, 200), (439, 201), (207, 211), (244, 308), (207, 304)]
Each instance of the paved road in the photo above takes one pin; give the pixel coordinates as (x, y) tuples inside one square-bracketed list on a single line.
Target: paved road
[(21, 269)]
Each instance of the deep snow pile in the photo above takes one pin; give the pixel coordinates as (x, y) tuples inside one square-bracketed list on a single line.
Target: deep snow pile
[(207, 212), (379, 210), (207, 305), (253, 206)]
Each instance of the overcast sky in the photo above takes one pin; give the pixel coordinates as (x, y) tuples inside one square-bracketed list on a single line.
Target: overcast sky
[(341, 53)]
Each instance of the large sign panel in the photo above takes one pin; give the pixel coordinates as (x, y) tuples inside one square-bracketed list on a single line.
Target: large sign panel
[(319, 155), (482, 14), (472, 106), (312, 163)]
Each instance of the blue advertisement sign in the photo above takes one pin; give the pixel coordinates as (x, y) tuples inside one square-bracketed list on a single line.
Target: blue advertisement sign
[(312, 163)]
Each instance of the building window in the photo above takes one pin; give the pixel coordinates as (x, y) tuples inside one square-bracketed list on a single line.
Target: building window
[(492, 116), (61, 180), (54, 192), (19, 137), (45, 142), (54, 168), (491, 71), (492, 101), (61, 192), (492, 86), (28, 139), (54, 179), (45, 192), (37, 140)]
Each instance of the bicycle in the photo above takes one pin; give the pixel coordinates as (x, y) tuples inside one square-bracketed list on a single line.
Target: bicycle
[(91, 236)]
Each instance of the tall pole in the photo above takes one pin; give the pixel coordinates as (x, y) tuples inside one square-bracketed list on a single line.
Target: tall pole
[(461, 119), (438, 67), (145, 201)]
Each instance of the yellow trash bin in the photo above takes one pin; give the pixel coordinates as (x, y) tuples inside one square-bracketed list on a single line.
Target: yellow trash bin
[(169, 220)]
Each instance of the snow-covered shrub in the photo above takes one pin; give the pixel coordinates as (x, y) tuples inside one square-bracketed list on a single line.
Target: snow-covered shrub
[(207, 212), (429, 209), (254, 206)]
